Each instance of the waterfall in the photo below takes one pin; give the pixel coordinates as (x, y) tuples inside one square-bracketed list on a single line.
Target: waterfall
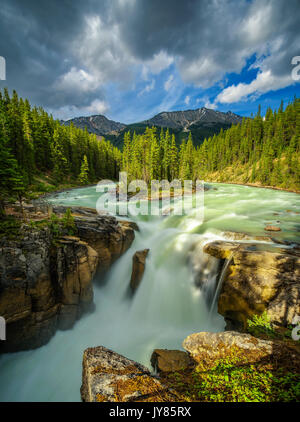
[(167, 306), (219, 284)]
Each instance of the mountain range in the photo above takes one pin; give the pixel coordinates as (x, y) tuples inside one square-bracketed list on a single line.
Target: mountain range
[(202, 122)]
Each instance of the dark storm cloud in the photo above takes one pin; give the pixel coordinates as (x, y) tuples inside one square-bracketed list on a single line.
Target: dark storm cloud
[(223, 32), (62, 53), (35, 39)]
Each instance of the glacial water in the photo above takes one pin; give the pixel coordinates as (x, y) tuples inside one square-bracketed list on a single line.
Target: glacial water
[(167, 306)]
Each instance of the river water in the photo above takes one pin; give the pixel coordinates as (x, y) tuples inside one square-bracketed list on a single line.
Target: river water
[(166, 307)]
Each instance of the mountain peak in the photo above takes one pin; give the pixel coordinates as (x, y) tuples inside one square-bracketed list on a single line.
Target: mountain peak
[(185, 119), (202, 122), (97, 124)]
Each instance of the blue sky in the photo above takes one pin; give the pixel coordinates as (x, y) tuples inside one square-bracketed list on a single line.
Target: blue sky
[(167, 92), (131, 59)]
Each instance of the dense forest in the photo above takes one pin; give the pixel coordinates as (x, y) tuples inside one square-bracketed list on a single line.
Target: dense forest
[(264, 151), (33, 144)]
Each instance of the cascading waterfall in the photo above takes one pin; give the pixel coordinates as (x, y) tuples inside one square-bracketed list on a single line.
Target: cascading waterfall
[(219, 285), (168, 304)]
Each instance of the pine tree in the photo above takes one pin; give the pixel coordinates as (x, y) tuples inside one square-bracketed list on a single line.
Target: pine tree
[(83, 177), (11, 182)]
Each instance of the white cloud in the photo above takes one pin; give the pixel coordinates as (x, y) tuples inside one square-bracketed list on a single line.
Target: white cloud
[(187, 100), (96, 107), (149, 87), (68, 112), (157, 64), (169, 83), (265, 81), (210, 105), (76, 79)]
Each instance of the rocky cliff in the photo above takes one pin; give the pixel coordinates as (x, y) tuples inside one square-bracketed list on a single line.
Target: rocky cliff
[(258, 278), (46, 282)]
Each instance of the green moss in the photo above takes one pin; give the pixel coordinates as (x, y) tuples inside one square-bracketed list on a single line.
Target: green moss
[(233, 379), (261, 325), (59, 226)]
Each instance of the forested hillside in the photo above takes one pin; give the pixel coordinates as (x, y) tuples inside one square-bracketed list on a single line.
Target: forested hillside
[(37, 153), (34, 145), (263, 151)]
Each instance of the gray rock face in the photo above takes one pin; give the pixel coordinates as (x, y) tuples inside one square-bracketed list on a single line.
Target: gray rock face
[(109, 377), (188, 118), (46, 285)]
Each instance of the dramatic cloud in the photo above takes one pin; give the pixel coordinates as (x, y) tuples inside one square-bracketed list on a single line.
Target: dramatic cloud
[(66, 54)]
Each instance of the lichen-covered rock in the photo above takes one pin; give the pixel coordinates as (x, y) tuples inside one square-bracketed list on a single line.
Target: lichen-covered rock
[(257, 280), (110, 377), (164, 360), (208, 347), (138, 268)]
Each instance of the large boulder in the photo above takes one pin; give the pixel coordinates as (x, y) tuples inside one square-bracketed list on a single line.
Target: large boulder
[(138, 268), (164, 360), (110, 377), (258, 279), (208, 347)]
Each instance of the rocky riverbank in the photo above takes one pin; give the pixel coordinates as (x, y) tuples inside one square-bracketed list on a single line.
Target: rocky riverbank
[(46, 273), (227, 366), (259, 279)]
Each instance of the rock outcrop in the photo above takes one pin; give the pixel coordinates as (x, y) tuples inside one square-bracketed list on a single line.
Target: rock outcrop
[(138, 268), (208, 347), (258, 278), (164, 360), (46, 283), (191, 375), (110, 377)]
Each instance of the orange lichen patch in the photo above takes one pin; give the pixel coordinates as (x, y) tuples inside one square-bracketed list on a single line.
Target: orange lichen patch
[(140, 388), (100, 398)]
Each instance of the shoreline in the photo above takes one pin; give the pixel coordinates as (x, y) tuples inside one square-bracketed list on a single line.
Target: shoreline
[(56, 192), (251, 185)]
